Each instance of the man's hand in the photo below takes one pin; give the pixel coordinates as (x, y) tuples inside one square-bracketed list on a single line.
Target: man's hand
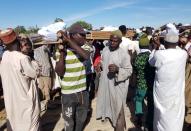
[(113, 68)]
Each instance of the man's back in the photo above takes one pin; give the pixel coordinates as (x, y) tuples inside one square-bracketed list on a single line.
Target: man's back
[(170, 72), (20, 93), (11, 68), (170, 63)]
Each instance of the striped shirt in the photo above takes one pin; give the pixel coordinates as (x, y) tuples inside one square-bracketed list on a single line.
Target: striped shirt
[(74, 79)]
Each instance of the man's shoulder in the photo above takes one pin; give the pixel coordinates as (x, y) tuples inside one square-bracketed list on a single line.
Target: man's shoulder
[(16, 55), (122, 52), (126, 39)]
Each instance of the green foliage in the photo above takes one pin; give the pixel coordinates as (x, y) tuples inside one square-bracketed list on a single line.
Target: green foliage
[(20, 29), (23, 30), (84, 24), (32, 30), (58, 20)]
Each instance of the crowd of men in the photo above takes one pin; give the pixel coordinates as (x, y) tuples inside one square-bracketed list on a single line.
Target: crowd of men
[(157, 64)]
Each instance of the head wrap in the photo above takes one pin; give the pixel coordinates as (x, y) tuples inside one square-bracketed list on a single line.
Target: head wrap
[(144, 40), (8, 36), (171, 36), (117, 33)]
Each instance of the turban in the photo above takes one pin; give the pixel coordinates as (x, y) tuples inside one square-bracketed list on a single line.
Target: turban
[(171, 37)]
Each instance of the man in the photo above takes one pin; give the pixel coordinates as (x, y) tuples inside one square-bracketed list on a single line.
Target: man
[(19, 86), (128, 45), (41, 55), (71, 69), (1, 54), (188, 88), (26, 46), (114, 81), (169, 84), (145, 79), (1, 50)]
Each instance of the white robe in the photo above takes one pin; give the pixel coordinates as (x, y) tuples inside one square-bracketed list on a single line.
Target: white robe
[(112, 93), (20, 92), (168, 91)]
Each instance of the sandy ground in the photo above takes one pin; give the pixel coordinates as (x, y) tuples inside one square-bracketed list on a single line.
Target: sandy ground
[(56, 123), (52, 121)]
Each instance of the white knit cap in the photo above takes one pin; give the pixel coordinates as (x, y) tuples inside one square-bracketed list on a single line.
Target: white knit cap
[(171, 36)]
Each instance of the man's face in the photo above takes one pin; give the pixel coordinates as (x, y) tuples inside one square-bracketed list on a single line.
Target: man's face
[(26, 48), (79, 39), (183, 40), (115, 41)]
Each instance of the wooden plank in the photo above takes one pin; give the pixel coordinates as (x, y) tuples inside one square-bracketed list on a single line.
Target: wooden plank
[(105, 35), (46, 43)]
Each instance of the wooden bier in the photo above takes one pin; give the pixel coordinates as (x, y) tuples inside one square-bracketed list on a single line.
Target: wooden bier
[(39, 40), (105, 35), (94, 35), (46, 43)]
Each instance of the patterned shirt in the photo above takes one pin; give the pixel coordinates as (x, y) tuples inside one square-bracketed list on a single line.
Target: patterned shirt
[(41, 55), (144, 72)]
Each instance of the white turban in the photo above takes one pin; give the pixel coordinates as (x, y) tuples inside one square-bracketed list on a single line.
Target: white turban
[(172, 34)]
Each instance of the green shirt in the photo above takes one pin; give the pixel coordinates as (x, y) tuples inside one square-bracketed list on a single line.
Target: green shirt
[(144, 72)]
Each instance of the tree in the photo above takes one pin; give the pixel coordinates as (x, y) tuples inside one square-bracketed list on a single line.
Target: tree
[(20, 29), (84, 24), (32, 30), (58, 20)]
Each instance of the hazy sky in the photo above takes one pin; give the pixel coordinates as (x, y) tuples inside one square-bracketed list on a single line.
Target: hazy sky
[(133, 13)]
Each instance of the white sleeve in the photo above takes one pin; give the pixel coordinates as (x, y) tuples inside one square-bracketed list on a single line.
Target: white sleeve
[(155, 58), (125, 70), (27, 68)]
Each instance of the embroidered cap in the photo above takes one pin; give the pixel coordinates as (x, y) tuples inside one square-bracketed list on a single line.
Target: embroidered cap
[(8, 36)]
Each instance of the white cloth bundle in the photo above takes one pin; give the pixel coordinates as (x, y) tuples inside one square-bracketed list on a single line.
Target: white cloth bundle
[(109, 28), (49, 32)]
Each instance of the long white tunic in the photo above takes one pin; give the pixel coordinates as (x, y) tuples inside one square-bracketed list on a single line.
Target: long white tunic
[(112, 92), (20, 92), (168, 91)]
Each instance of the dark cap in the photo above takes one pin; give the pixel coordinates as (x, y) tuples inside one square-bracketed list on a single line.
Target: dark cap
[(76, 28)]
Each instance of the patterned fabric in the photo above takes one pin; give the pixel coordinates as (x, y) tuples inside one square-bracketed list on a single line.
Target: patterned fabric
[(145, 73), (42, 57)]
